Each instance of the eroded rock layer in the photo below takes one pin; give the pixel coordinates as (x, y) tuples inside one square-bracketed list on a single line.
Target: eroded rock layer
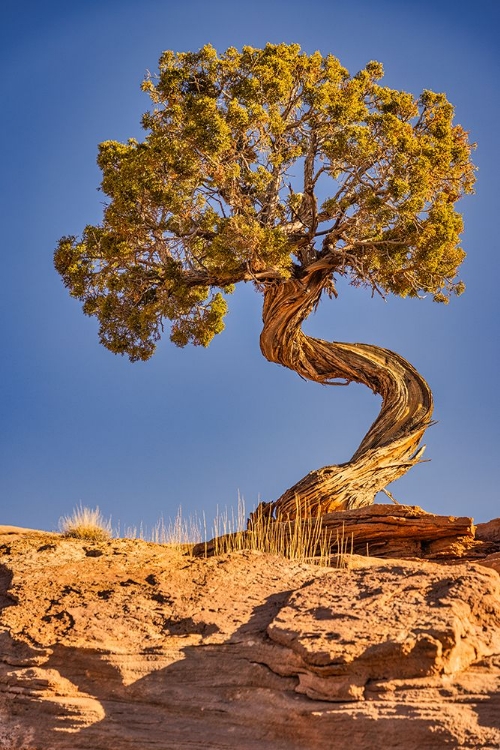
[(129, 645)]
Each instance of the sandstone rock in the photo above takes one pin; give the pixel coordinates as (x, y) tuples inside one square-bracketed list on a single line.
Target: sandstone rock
[(127, 645), (489, 532), (492, 561), (7, 530), (428, 621)]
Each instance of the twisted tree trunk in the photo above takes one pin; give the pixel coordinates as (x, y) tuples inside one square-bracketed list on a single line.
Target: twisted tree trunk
[(390, 447)]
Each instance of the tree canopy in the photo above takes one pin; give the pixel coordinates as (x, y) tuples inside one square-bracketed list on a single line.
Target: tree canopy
[(257, 164)]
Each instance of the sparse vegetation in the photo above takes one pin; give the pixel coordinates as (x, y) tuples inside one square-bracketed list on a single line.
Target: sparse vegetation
[(303, 538), (181, 533), (86, 523)]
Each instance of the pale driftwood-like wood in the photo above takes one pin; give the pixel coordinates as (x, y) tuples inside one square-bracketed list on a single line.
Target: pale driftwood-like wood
[(391, 445)]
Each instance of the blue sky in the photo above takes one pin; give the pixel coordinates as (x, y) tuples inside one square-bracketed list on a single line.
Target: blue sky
[(193, 427)]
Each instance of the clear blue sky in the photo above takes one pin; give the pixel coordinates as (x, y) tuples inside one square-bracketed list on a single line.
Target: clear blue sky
[(192, 427)]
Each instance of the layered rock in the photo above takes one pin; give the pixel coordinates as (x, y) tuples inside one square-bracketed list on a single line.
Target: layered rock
[(393, 531), (125, 644)]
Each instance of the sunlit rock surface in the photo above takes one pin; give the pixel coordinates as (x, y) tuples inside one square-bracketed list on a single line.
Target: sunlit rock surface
[(129, 645)]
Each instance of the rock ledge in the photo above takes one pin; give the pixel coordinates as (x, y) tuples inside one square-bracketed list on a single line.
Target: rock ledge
[(129, 645)]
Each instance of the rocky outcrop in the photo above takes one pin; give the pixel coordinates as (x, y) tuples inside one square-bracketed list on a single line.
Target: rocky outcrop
[(393, 531), (125, 645)]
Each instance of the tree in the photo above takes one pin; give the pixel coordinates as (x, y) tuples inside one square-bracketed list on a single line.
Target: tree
[(279, 168)]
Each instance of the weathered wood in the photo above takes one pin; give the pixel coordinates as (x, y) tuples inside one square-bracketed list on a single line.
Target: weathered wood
[(400, 531), (379, 530), (391, 445)]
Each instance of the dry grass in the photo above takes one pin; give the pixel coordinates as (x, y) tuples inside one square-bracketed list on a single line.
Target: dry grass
[(303, 539), (86, 523), (181, 533)]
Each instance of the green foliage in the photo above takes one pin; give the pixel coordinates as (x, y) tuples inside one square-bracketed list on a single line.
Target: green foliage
[(239, 150)]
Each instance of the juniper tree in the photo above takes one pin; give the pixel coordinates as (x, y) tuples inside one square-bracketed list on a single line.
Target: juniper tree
[(278, 168)]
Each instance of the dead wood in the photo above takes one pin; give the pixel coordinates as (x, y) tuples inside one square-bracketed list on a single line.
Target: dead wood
[(379, 531)]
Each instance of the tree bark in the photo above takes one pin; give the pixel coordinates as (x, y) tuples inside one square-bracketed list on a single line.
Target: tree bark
[(391, 445)]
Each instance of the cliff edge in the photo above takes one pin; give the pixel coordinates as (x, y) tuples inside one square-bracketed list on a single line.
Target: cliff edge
[(124, 644)]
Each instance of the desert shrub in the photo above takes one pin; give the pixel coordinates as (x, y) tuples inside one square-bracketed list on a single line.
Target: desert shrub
[(86, 523)]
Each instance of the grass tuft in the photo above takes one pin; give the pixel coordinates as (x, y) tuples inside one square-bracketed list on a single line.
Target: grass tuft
[(302, 539), (86, 523)]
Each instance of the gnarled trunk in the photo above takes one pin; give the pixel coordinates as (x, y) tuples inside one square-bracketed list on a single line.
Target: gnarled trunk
[(390, 447)]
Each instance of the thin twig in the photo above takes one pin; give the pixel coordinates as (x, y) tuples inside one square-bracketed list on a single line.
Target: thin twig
[(390, 496)]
